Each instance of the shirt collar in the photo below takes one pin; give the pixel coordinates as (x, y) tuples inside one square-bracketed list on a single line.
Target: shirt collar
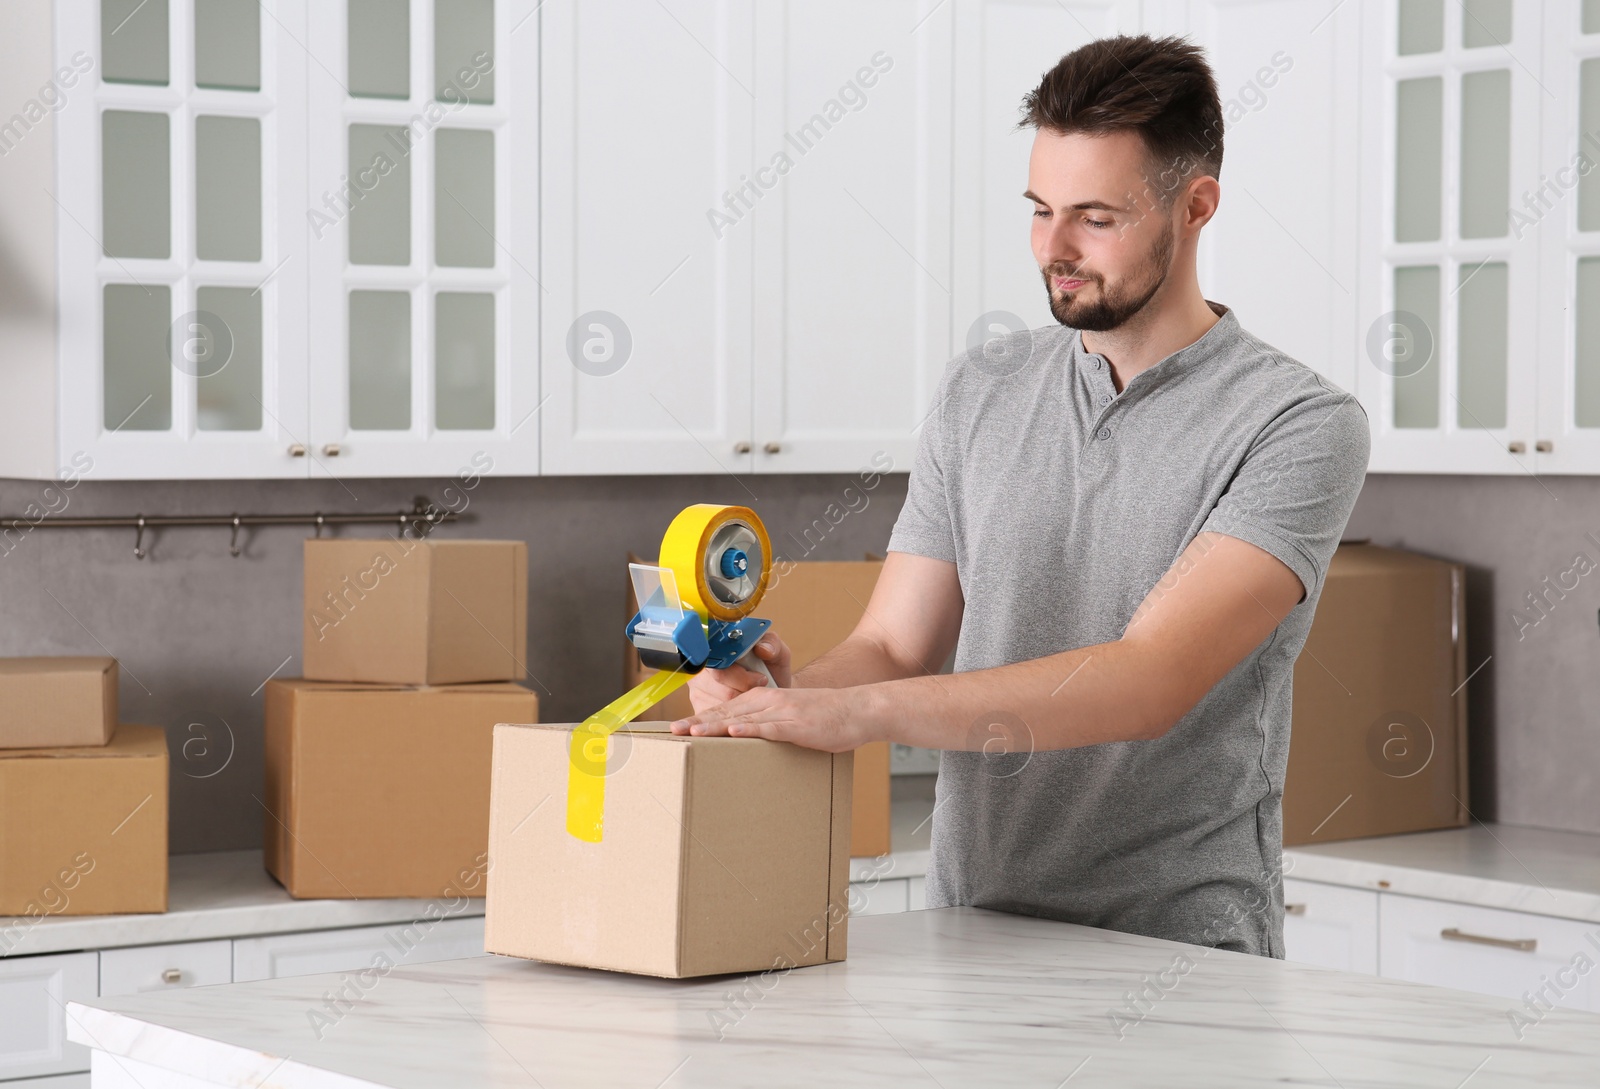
[(1208, 344)]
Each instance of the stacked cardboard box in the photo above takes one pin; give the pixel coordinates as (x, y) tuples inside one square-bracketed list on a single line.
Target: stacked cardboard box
[(1379, 740), (378, 761), (83, 800), (813, 606)]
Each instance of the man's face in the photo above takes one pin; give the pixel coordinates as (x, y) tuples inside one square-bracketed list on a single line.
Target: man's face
[(1103, 239)]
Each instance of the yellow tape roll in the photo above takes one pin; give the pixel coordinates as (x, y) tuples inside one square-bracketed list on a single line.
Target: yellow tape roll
[(686, 551)]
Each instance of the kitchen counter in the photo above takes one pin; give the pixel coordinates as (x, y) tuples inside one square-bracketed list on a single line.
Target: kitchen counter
[(1491, 865), (954, 997)]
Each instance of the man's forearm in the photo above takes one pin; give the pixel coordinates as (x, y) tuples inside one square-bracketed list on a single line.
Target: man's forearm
[(855, 661), (1079, 697)]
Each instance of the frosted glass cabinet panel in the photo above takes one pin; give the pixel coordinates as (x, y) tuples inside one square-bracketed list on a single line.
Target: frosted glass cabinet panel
[(425, 293), (182, 263), (1449, 271)]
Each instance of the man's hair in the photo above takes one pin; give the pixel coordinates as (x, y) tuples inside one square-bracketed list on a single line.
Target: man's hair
[(1161, 88)]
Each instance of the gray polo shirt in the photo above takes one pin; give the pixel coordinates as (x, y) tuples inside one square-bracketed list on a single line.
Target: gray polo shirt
[(1062, 503)]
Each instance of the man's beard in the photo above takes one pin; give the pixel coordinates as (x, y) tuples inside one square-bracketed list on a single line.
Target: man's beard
[(1111, 309)]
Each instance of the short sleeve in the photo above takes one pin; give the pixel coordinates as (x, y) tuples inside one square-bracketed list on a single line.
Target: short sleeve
[(924, 525), (1294, 492)]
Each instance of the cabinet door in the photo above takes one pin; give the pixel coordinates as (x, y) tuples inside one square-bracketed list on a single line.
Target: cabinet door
[(423, 234), (34, 992), (1450, 131), (646, 264), (879, 897), (1002, 49), (278, 955), (1507, 953), (1565, 219), (1330, 926), (1281, 249), (143, 968), (851, 189), (182, 239)]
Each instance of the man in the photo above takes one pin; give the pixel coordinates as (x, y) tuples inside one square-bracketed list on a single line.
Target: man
[(1122, 526)]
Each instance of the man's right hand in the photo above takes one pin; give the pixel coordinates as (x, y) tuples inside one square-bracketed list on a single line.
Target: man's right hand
[(711, 687)]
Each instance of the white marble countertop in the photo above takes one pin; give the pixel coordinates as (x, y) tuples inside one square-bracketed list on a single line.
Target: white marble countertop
[(219, 894), (1490, 865), (956, 997)]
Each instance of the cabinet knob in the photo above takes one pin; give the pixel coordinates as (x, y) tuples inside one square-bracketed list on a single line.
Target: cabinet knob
[(772, 447), (741, 448), (297, 450), (1544, 446), (1294, 909), (1518, 447), (172, 975), (330, 450)]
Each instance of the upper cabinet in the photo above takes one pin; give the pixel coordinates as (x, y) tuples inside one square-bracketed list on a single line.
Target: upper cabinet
[(422, 236), (646, 346), (748, 267), (1450, 292)]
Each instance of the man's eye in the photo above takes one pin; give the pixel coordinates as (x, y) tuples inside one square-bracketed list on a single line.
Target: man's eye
[(1041, 212), (1100, 223)]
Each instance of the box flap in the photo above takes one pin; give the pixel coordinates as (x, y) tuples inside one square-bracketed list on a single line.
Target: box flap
[(129, 741), (55, 665)]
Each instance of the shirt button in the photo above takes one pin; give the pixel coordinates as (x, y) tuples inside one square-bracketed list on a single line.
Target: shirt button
[(1094, 364), (1104, 432), (1105, 399)]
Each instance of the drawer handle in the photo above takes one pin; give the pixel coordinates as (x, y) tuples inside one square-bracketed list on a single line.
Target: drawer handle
[(1521, 945), (1294, 909), (172, 975)]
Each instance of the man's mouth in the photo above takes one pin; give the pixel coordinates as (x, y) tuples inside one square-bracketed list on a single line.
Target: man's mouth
[(1069, 285)]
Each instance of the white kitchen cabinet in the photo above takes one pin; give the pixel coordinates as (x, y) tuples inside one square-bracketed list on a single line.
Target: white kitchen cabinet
[(1510, 954), (34, 992), (59, 1081), (647, 133), (277, 955), (916, 893), (1330, 926), (1002, 49), (142, 968), (1563, 220), (852, 230), (155, 326), (423, 237), (1450, 131)]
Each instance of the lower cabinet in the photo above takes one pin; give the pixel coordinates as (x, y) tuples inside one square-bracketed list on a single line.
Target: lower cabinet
[(315, 951), (1330, 926), (143, 968), (878, 897), (34, 992), (1510, 954)]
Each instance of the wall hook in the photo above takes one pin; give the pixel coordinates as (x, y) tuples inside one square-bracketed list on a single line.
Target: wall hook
[(138, 538), (233, 541), (317, 533)]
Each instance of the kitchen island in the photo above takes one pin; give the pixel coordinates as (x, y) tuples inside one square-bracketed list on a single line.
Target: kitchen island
[(946, 998)]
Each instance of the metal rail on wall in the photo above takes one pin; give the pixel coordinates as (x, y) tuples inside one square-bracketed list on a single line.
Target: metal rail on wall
[(421, 519)]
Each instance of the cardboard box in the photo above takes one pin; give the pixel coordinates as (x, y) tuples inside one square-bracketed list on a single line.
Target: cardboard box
[(52, 702), (83, 830), (391, 610), (1379, 740), (717, 854), (375, 791)]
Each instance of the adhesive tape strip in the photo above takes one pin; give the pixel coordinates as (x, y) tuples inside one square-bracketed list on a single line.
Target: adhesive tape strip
[(590, 748)]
